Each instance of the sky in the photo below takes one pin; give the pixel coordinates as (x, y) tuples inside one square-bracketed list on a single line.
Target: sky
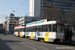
[(20, 8)]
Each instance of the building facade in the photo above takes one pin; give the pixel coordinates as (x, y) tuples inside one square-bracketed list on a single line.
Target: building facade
[(34, 8), (26, 19), (64, 5), (37, 7), (1, 28), (11, 23)]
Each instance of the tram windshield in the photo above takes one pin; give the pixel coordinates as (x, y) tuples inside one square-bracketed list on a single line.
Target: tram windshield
[(60, 27), (19, 30)]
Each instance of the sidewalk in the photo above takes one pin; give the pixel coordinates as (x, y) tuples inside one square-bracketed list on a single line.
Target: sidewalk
[(73, 38), (73, 41)]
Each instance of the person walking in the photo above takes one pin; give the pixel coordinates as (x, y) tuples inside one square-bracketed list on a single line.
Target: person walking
[(4, 32), (66, 34), (70, 35)]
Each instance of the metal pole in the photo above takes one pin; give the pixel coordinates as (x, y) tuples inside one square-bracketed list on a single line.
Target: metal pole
[(72, 21), (62, 12)]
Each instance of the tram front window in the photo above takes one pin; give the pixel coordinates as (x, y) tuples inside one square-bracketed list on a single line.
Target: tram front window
[(60, 28)]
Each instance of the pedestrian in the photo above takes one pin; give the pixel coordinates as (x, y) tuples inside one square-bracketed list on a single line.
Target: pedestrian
[(4, 33), (70, 35), (66, 34)]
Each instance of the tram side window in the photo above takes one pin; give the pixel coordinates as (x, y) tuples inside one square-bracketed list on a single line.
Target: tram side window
[(33, 29), (54, 28), (24, 29), (27, 29), (39, 28), (30, 29), (21, 30), (44, 28), (60, 28), (49, 27), (15, 30)]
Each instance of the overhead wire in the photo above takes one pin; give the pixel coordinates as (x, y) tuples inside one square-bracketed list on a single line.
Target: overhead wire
[(17, 8), (3, 15), (2, 18), (20, 5), (9, 5)]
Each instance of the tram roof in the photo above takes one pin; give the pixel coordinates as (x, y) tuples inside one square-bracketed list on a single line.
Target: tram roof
[(44, 23), (18, 27)]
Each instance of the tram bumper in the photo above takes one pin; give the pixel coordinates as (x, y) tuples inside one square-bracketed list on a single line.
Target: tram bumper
[(62, 39), (59, 40)]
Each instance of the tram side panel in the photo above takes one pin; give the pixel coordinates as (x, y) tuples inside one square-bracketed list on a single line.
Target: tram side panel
[(38, 35), (48, 36), (16, 33), (52, 36), (22, 34), (33, 35), (30, 35), (27, 34), (60, 36)]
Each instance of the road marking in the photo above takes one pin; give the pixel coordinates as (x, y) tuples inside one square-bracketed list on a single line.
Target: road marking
[(23, 44), (27, 45), (37, 45), (46, 43), (32, 43)]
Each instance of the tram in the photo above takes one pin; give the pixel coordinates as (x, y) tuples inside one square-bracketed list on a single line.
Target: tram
[(43, 30), (19, 31), (50, 31)]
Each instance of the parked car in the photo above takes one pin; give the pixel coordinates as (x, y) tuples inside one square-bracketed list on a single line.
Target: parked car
[(9, 33)]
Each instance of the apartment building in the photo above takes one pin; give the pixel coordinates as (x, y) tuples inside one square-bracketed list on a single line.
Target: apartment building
[(11, 23), (26, 19), (37, 7)]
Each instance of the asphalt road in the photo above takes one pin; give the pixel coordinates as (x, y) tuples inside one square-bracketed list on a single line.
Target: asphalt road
[(10, 42)]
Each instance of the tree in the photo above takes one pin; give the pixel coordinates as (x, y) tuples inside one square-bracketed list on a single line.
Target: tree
[(70, 16)]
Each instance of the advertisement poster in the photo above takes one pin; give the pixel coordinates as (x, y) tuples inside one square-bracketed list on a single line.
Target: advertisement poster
[(27, 33), (39, 33)]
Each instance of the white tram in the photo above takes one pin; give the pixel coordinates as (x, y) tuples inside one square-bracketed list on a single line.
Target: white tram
[(19, 31), (50, 31)]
